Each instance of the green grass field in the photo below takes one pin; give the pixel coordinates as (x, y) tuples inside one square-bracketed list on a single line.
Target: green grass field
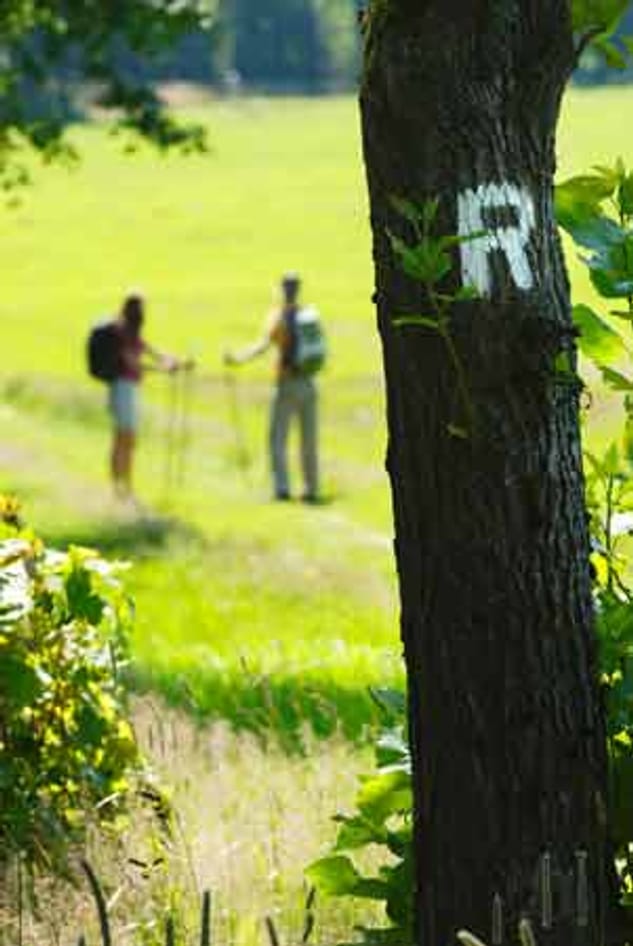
[(270, 618), (245, 610)]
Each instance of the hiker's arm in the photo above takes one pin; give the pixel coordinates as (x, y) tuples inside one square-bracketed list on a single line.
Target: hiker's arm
[(270, 336), (249, 353), (161, 361)]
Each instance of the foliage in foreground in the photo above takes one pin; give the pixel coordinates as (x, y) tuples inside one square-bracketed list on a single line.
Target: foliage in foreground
[(383, 819), (597, 211), (66, 748)]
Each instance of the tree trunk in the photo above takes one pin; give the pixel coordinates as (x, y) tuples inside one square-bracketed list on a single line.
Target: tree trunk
[(460, 102)]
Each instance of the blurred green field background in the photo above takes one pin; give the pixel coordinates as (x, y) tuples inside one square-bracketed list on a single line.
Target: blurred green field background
[(268, 616)]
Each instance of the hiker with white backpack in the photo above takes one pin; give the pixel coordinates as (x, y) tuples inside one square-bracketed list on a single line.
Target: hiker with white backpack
[(296, 332)]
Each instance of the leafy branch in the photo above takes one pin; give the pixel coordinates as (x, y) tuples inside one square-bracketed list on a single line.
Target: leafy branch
[(50, 49), (429, 261), (597, 211), (596, 23)]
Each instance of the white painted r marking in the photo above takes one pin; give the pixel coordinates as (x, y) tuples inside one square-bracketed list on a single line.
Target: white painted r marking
[(511, 240)]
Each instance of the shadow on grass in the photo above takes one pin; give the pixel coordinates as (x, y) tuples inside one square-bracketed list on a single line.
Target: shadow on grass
[(135, 538), (291, 710)]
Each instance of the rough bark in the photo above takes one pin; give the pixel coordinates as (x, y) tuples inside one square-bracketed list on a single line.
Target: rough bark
[(506, 722)]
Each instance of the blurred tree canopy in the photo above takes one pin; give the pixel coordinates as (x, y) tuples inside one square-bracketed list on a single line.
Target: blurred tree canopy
[(116, 50), (50, 47), (313, 43), (119, 49)]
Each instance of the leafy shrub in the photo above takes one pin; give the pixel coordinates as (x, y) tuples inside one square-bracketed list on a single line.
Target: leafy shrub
[(383, 819), (609, 501), (66, 749), (597, 211)]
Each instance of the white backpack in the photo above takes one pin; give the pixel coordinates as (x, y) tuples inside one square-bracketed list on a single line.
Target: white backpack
[(308, 346)]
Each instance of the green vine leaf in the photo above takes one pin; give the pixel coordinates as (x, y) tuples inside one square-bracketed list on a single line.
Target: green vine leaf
[(616, 380), (598, 340), (592, 14)]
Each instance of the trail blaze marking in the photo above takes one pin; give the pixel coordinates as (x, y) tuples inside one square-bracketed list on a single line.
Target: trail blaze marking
[(474, 209)]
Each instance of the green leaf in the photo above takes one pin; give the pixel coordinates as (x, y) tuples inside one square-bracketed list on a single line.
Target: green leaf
[(394, 701), (392, 750), (406, 209), (455, 430), (596, 464), (372, 889), (429, 211), (578, 206), (563, 367), (589, 189), (357, 832), (400, 882), (427, 261), (386, 794), (399, 842), (427, 321), (391, 936), (424, 214), (611, 460), (590, 14), (612, 55), (589, 227), (467, 294), (598, 340), (19, 683), (458, 239), (616, 380), (611, 283), (625, 195), (334, 876), (612, 175), (620, 809), (91, 726), (82, 602)]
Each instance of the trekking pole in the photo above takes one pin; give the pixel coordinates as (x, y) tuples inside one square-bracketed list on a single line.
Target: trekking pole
[(170, 439), (184, 432), (242, 454)]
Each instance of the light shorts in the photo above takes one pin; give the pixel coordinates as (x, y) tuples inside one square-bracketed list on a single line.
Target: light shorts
[(123, 404)]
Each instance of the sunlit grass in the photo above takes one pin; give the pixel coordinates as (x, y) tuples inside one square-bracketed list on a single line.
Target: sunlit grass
[(249, 819), (239, 602)]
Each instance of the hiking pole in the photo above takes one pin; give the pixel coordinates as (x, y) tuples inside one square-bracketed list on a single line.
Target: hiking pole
[(170, 440), (184, 432), (242, 455)]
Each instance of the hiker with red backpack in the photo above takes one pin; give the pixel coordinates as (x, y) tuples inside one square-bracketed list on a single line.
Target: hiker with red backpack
[(118, 355), (296, 332)]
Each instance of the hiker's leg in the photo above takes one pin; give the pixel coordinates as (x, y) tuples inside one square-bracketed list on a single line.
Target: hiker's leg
[(121, 461), (128, 443), (308, 417), (116, 450), (280, 414), (115, 460), (123, 402)]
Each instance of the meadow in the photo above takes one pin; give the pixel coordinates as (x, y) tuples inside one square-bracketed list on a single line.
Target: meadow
[(274, 619)]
